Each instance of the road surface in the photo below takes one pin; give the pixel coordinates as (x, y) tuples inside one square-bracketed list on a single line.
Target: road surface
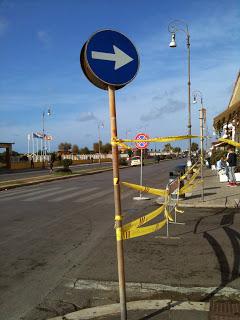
[(47, 229)]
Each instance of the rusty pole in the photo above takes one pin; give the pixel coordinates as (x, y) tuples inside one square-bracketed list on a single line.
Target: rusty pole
[(117, 201)]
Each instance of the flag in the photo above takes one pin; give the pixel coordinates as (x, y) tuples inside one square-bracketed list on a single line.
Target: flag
[(38, 135)]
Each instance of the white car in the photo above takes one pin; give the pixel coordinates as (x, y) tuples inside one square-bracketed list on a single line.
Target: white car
[(136, 161)]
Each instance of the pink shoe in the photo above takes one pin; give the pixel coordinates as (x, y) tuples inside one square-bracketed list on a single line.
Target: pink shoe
[(229, 184)]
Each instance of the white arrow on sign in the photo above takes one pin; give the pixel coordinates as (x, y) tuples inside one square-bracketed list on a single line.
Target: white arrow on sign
[(120, 57)]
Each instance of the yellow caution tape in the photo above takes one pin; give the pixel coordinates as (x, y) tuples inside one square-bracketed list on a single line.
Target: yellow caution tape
[(231, 142), (189, 184), (158, 192), (140, 221), (115, 181), (118, 218), (137, 232), (168, 215), (119, 234), (179, 211), (161, 139), (119, 142), (189, 170)]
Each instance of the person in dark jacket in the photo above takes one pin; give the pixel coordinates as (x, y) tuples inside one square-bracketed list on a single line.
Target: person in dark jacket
[(232, 163)]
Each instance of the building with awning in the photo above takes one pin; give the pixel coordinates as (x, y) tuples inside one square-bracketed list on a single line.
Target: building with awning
[(228, 121)]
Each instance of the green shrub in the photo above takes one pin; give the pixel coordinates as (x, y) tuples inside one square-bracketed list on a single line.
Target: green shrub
[(217, 154), (66, 163)]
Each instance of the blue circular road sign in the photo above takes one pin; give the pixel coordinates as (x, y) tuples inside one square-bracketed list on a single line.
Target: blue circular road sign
[(109, 58)]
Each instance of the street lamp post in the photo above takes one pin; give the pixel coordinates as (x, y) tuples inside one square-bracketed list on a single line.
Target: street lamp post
[(44, 136), (100, 125), (173, 27), (196, 96)]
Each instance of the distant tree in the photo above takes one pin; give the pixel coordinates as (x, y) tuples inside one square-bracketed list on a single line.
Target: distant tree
[(64, 146), (84, 150), (75, 149), (96, 147), (106, 148), (194, 146), (177, 150), (167, 147)]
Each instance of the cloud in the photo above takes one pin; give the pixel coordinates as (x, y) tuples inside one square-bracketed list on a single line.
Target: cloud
[(43, 37), (3, 26), (171, 106), (86, 116)]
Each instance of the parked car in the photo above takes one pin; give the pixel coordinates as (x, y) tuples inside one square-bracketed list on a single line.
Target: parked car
[(136, 161)]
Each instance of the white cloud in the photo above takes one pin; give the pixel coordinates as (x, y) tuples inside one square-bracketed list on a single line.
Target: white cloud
[(86, 116), (3, 26), (44, 37)]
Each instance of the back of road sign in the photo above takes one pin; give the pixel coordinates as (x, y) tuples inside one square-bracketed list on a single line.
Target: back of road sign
[(109, 58)]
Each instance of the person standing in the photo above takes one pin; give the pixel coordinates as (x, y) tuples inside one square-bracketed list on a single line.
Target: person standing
[(232, 163)]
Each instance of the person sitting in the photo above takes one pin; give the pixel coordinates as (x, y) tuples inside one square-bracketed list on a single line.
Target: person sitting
[(222, 167)]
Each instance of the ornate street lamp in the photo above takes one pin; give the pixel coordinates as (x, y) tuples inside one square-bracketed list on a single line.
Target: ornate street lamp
[(173, 27)]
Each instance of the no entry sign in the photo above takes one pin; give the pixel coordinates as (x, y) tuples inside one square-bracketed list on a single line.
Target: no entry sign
[(141, 144)]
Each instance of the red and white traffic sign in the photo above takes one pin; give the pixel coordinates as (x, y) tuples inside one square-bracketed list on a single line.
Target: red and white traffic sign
[(141, 144)]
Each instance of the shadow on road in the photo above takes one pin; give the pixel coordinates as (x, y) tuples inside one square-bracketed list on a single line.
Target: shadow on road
[(227, 274)]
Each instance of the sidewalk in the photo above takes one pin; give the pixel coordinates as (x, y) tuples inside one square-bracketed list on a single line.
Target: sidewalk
[(216, 194)]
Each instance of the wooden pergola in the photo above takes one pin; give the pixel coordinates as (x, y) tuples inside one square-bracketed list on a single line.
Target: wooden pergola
[(232, 112)]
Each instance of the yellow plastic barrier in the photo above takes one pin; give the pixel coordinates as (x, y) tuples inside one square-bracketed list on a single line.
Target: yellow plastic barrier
[(157, 192), (140, 221), (137, 232), (189, 183), (121, 142), (231, 142)]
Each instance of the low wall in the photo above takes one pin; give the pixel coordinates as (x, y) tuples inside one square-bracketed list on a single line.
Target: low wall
[(37, 165)]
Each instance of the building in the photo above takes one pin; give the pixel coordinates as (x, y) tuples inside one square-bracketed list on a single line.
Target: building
[(227, 123), (8, 147)]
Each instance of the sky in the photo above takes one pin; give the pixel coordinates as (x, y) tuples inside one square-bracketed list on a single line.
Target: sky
[(40, 43)]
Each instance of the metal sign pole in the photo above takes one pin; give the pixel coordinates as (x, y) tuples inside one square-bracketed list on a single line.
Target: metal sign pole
[(117, 201), (201, 133), (141, 173)]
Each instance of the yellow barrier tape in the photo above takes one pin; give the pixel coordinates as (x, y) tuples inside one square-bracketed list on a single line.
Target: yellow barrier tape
[(158, 192), (161, 139), (137, 232), (119, 234), (189, 183), (179, 211), (193, 186), (118, 218), (189, 170), (140, 221), (115, 181), (231, 142), (168, 215), (119, 142)]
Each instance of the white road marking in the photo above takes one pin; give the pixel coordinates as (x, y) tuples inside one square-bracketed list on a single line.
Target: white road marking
[(27, 194), (73, 194), (49, 194), (95, 195), (147, 287), (14, 192)]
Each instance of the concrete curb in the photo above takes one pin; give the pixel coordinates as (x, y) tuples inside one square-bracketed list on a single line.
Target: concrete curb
[(114, 309)]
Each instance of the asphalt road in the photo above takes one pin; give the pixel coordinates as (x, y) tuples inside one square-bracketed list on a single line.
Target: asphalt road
[(57, 242), (47, 229)]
